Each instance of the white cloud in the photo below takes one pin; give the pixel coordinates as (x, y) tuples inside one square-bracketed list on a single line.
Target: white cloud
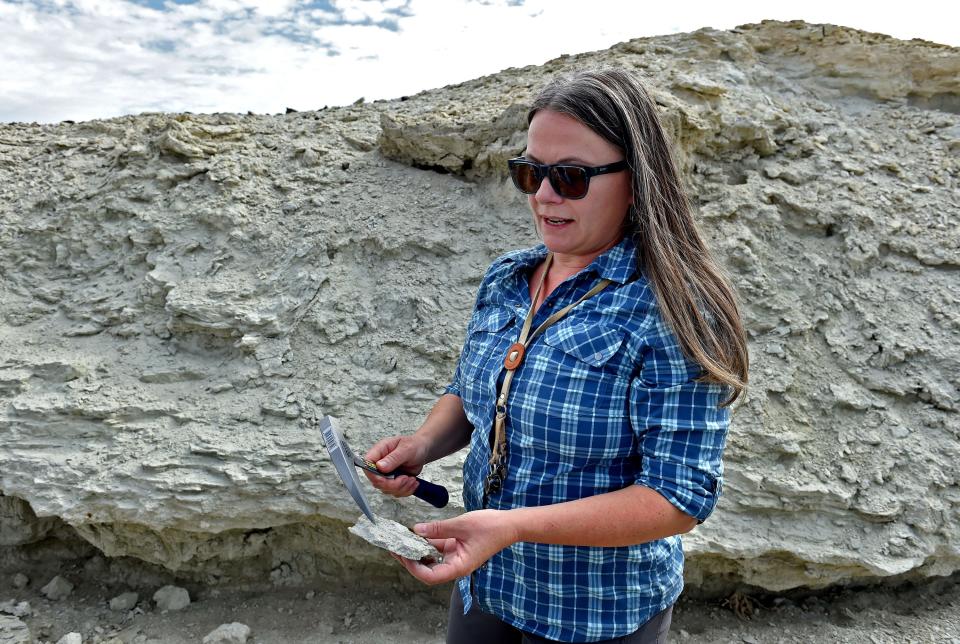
[(82, 59), (271, 8), (361, 10)]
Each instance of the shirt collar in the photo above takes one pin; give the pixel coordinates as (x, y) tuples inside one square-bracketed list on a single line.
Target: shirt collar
[(617, 264)]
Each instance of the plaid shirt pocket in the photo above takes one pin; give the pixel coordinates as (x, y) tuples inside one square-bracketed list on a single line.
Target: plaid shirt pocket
[(593, 345)]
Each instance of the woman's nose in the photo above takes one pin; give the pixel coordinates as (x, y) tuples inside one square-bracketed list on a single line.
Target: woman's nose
[(545, 193)]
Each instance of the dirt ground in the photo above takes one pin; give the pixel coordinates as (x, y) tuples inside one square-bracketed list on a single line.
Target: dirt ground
[(399, 613)]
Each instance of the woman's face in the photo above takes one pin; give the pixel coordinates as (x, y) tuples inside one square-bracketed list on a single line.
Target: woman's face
[(594, 223)]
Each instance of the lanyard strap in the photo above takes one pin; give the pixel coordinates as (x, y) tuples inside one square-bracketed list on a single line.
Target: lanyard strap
[(497, 469)]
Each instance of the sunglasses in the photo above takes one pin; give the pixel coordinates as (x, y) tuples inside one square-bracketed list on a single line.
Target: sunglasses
[(567, 180)]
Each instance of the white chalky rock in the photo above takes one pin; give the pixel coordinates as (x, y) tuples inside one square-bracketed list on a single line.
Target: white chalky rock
[(57, 588), (13, 631), (15, 608), (172, 598), (125, 601), (71, 638), (233, 633)]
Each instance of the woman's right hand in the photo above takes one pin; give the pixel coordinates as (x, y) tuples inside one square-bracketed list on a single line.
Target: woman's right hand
[(405, 453)]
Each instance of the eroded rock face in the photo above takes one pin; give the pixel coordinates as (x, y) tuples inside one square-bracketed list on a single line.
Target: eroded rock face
[(178, 288), (19, 525)]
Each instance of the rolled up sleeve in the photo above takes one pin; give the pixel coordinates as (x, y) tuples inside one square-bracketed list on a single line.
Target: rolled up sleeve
[(681, 429), (454, 386)]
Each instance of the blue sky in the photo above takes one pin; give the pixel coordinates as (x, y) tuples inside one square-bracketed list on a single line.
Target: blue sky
[(84, 59)]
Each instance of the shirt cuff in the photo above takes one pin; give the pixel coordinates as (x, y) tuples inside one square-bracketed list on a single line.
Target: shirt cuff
[(452, 388), (698, 495)]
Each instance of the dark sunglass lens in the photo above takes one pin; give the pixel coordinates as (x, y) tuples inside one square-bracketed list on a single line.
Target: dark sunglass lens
[(569, 181), (525, 177)]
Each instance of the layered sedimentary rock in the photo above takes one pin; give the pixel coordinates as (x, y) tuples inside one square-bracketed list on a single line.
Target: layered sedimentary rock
[(177, 289)]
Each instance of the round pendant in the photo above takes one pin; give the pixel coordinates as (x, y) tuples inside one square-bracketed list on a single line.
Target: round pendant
[(514, 356)]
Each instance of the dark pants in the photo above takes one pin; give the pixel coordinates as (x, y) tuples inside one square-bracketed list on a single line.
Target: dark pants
[(477, 627)]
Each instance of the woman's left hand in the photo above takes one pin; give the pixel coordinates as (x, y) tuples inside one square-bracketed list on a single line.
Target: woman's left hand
[(466, 541)]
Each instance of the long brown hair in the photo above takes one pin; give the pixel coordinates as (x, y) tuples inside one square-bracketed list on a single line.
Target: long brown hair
[(695, 296)]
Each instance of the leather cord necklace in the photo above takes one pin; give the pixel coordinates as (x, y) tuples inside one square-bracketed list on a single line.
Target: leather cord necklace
[(498, 456)]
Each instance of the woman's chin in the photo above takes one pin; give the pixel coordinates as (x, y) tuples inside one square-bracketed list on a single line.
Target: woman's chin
[(556, 240), (566, 245)]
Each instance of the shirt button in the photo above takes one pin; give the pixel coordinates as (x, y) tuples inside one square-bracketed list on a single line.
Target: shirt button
[(597, 356)]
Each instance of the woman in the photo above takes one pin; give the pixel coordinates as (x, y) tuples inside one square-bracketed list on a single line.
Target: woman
[(612, 414)]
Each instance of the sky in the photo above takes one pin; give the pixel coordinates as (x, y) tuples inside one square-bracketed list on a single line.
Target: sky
[(86, 59)]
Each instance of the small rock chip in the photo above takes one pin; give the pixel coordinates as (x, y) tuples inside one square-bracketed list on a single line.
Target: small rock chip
[(20, 580), (57, 588), (13, 631), (396, 538), (234, 633), (172, 598), (125, 601), (71, 638), (310, 594), (15, 608)]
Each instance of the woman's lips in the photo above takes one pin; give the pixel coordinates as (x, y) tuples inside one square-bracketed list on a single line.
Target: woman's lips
[(556, 222)]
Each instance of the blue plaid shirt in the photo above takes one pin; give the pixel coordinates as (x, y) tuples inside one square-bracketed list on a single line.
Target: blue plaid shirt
[(603, 399)]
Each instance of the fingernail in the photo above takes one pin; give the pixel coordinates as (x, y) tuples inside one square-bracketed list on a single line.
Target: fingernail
[(420, 528)]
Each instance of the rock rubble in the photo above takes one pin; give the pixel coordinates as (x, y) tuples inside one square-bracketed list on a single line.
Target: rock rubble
[(57, 588), (232, 633), (172, 598)]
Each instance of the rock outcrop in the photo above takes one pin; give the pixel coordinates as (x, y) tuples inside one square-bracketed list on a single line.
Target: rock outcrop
[(176, 290)]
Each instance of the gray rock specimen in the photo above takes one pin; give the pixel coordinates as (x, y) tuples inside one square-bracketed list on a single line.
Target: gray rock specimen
[(395, 537), (172, 598), (13, 631), (57, 588), (177, 288), (20, 580), (71, 638), (15, 608), (233, 633), (125, 601)]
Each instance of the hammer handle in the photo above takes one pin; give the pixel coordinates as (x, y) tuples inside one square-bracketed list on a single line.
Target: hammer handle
[(435, 495)]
